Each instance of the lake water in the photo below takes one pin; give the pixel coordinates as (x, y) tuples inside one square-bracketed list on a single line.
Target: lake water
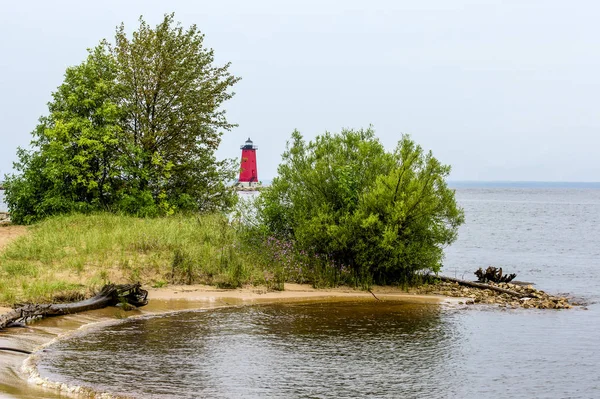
[(550, 236)]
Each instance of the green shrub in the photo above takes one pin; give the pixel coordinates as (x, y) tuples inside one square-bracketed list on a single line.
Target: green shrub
[(383, 215)]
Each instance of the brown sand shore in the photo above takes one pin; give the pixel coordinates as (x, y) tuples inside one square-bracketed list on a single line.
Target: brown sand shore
[(184, 297), (189, 297)]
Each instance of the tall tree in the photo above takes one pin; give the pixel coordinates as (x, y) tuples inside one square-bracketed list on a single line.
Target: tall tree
[(172, 97), (73, 166), (134, 128)]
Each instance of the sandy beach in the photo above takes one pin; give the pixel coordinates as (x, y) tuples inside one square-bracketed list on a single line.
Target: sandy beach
[(197, 293), (188, 297)]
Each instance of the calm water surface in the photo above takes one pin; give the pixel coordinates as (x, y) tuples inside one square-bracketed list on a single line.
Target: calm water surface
[(388, 350)]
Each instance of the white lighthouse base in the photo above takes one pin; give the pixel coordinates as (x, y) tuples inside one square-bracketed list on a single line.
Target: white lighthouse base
[(248, 185)]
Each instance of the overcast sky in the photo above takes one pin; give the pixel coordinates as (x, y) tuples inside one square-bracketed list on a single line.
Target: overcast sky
[(501, 90)]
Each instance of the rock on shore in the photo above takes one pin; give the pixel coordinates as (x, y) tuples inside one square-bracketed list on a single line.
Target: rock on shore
[(529, 298)]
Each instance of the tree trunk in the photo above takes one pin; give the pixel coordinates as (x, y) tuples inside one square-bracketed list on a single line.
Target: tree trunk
[(110, 295)]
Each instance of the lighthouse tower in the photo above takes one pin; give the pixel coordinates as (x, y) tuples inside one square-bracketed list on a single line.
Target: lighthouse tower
[(248, 169)]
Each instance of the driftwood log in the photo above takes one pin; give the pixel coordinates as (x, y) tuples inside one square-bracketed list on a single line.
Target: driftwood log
[(109, 295), (482, 286)]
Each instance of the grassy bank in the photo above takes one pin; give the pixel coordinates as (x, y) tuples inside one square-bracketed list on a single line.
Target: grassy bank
[(68, 257)]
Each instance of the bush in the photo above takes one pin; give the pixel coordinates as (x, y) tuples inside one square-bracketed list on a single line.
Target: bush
[(383, 215)]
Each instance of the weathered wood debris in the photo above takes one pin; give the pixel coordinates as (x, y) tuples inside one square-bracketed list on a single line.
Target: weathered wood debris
[(506, 295), (494, 275), (110, 295)]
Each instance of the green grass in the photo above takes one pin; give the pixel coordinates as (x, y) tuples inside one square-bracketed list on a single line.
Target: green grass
[(69, 257)]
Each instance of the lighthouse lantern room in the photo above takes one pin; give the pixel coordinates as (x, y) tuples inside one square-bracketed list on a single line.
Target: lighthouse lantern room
[(248, 169)]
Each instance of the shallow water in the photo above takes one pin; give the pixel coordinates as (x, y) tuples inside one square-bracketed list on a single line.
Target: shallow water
[(340, 349), (336, 350), (372, 349)]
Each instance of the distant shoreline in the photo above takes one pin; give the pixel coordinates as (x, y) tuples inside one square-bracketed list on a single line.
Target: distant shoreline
[(479, 183), (520, 184), (456, 184), (511, 183)]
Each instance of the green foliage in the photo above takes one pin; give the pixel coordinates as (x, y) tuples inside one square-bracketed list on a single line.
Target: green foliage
[(172, 95), (383, 215), (74, 167), (182, 267), (134, 129)]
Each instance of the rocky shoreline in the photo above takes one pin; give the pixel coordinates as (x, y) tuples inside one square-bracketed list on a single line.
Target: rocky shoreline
[(528, 297)]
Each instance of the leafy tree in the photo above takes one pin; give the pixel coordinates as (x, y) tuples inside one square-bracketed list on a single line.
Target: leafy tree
[(133, 128), (385, 214), (73, 166), (172, 96)]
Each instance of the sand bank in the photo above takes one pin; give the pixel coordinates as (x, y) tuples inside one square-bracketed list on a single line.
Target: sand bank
[(201, 293)]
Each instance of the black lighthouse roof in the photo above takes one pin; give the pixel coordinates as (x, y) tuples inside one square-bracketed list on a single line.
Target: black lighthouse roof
[(248, 145)]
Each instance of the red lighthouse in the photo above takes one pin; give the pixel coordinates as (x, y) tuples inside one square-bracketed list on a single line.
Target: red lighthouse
[(249, 171)]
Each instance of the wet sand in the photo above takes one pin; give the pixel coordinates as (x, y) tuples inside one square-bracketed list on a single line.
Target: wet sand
[(19, 381), (291, 292)]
